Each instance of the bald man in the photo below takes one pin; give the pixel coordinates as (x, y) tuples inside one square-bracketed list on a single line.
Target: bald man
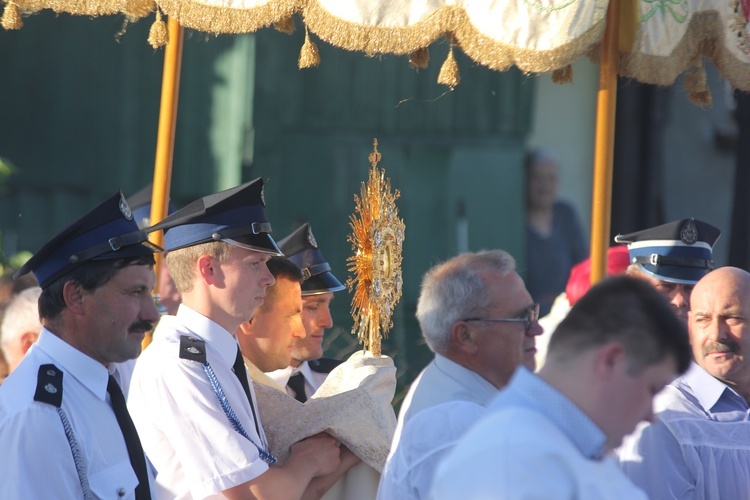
[(699, 447)]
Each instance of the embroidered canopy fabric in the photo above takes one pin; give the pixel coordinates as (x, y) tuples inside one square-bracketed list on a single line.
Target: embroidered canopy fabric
[(534, 35), (674, 34)]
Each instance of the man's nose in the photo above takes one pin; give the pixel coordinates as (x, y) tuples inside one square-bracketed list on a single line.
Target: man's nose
[(680, 297), (149, 311), (717, 330), (299, 331), (268, 279), (327, 320), (535, 329)]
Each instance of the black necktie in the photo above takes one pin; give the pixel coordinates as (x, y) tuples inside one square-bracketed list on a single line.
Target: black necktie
[(297, 384), (133, 443), (239, 371)]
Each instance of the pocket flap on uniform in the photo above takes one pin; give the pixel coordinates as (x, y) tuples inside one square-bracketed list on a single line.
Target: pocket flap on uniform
[(118, 481)]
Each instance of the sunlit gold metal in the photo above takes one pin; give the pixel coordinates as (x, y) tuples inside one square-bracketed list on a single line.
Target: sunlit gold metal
[(377, 239)]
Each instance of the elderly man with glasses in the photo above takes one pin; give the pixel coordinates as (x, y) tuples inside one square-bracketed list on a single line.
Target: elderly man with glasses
[(480, 321)]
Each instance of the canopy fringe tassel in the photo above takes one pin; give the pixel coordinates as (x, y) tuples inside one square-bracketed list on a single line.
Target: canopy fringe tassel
[(449, 74), (12, 17), (696, 85), (285, 25), (563, 75), (157, 35), (420, 58), (308, 56)]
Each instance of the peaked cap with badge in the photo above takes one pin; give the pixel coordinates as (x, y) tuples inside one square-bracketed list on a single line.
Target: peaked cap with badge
[(677, 252), (107, 232), (140, 204), (236, 216), (301, 248)]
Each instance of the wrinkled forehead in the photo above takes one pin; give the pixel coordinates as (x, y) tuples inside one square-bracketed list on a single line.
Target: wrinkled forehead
[(507, 291)]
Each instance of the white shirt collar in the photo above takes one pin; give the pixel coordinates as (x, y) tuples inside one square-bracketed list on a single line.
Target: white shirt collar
[(707, 388), (90, 373), (223, 341)]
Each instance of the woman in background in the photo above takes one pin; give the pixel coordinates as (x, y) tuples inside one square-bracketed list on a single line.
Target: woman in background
[(554, 237)]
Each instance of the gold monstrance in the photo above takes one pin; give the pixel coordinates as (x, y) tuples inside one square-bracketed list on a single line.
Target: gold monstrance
[(377, 238)]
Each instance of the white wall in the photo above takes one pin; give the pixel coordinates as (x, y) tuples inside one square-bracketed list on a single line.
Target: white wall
[(564, 121)]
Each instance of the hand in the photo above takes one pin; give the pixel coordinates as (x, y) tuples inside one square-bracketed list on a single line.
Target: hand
[(320, 451), (348, 458)]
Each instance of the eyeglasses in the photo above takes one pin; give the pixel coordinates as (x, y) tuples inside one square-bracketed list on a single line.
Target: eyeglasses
[(532, 316)]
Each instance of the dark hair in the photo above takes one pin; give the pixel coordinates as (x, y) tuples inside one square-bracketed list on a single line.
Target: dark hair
[(91, 275), (629, 311), (281, 267)]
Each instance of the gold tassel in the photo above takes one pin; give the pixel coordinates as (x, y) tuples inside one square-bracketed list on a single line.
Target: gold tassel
[(158, 35), (308, 56), (420, 58), (285, 25), (696, 85), (12, 17), (563, 75), (449, 74)]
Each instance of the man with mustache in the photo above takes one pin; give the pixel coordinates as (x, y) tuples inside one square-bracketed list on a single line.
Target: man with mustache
[(62, 410), (699, 447), (672, 258)]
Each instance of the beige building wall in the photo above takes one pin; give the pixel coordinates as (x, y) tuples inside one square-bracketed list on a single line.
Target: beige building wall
[(564, 121)]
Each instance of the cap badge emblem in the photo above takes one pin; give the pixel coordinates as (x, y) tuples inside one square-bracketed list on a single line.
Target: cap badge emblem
[(311, 239), (125, 209), (689, 233)]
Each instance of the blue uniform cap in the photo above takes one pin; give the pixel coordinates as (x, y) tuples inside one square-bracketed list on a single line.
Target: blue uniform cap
[(140, 204), (106, 232), (677, 252), (301, 248), (236, 216)]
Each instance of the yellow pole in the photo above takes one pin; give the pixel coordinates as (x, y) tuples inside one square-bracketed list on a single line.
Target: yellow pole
[(601, 206), (170, 87)]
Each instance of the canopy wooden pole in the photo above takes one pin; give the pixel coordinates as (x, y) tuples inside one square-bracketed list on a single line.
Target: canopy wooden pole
[(601, 206), (170, 88)]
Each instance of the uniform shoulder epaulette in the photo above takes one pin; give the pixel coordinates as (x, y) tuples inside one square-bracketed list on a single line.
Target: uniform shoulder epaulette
[(324, 365), (49, 385), (192, 348)]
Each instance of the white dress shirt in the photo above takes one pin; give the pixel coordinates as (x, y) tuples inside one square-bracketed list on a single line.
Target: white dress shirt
[(39, 461), (533, 443), (313, 380), (700, 446), (442, 403), (185, 432)]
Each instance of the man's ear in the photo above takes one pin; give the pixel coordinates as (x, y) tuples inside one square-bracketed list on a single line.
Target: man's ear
[(463, 338), (27, 339), (73, 295), (246, 328), (206, 268), (610, 358)]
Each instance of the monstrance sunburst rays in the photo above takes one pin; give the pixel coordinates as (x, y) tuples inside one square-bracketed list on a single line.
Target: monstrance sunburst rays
[(377, 238)]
